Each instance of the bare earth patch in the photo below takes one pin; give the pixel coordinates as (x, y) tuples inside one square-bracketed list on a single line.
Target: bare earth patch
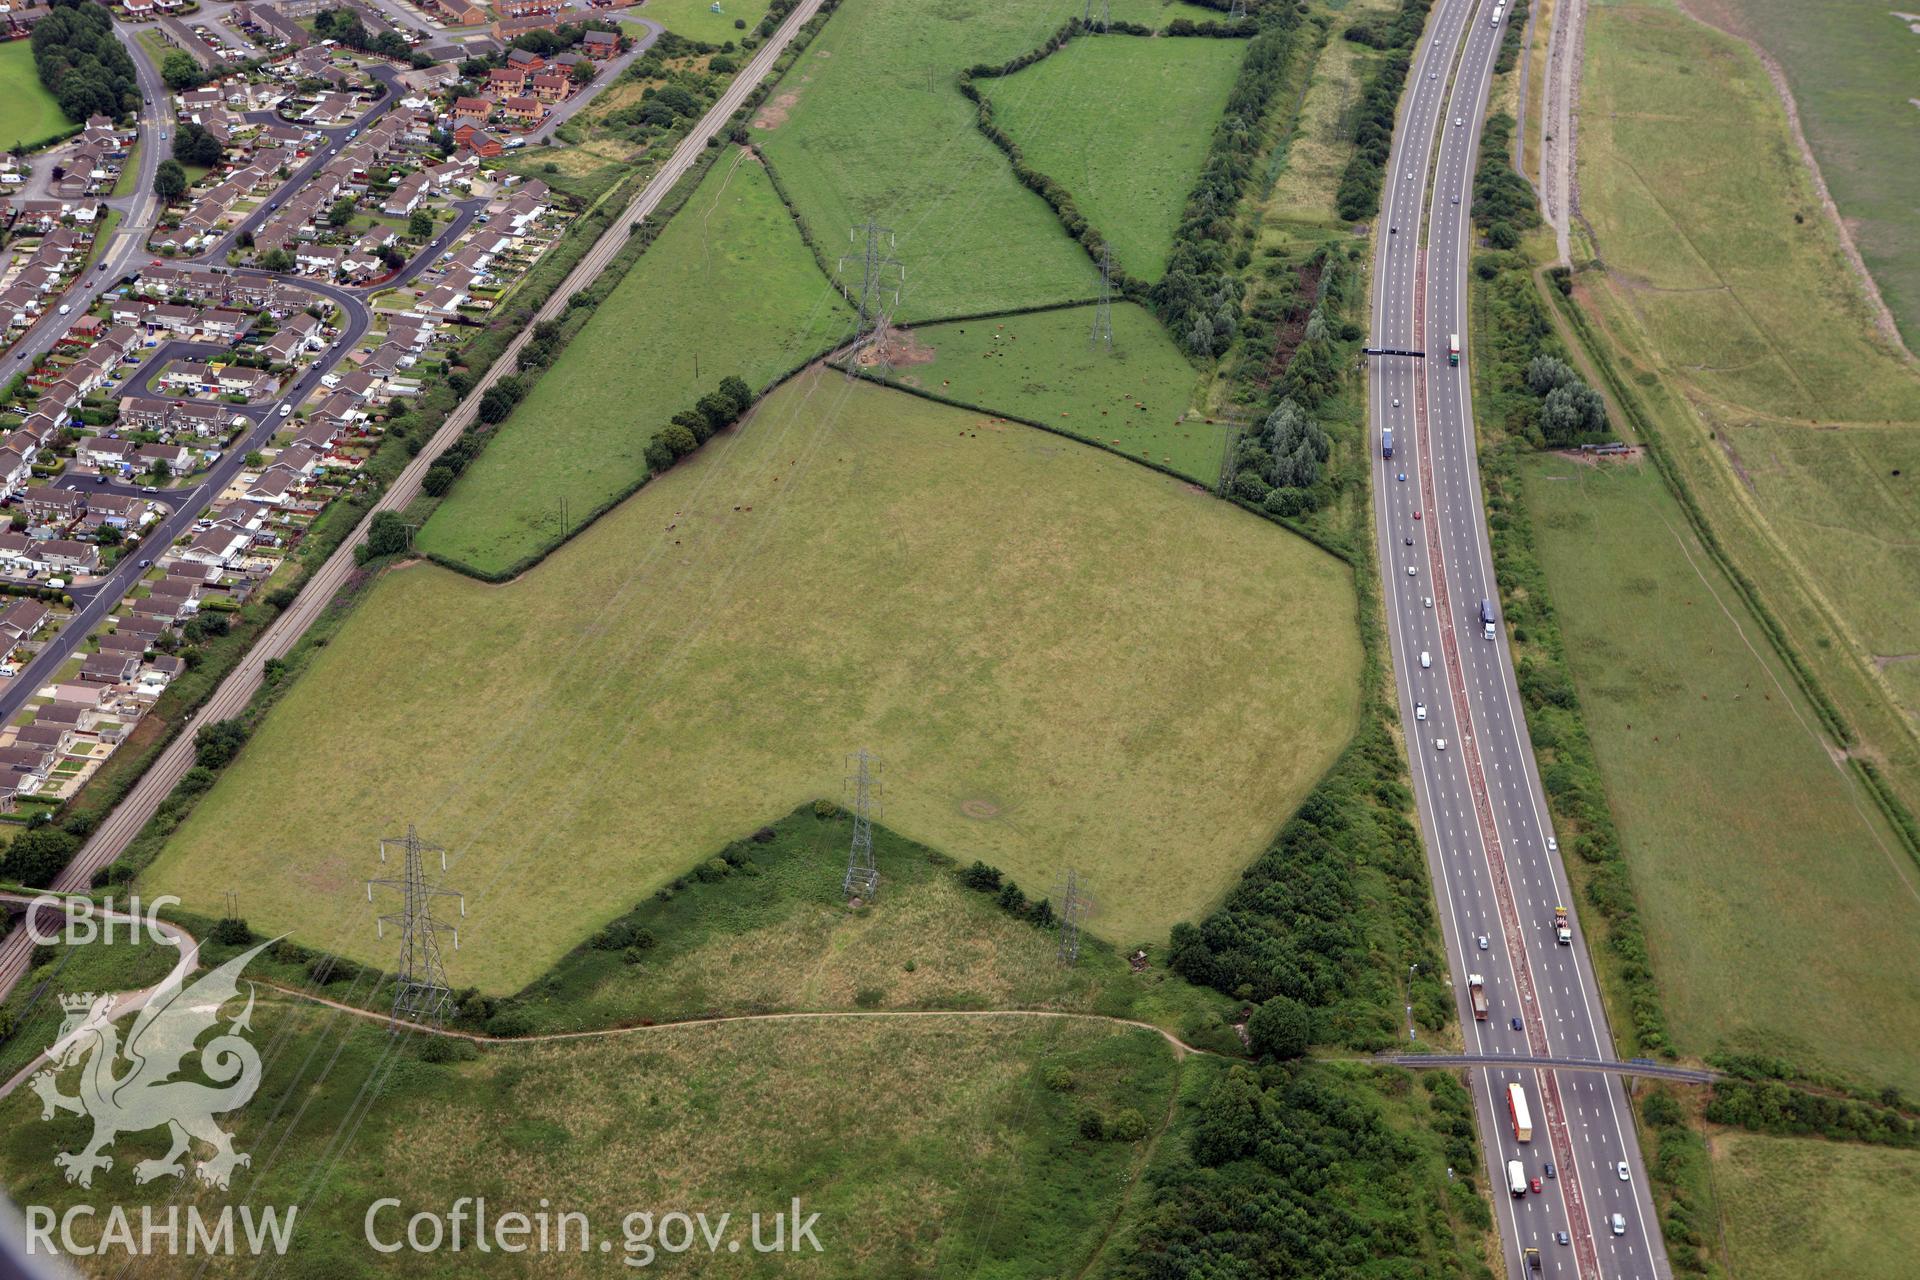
[(774, 113)]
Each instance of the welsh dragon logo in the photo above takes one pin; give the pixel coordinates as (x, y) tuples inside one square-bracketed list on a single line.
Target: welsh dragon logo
[(145, 1094)]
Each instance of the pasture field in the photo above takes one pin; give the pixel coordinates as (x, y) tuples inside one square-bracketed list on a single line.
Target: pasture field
[(1850, 69), (1735, 315), (28, 113), (927, 1147), (696, 20), (746, 299), (781, 938), (1774, 898), (1134, 398), (1692, 188), (1060, 656), (869, 123), (1123, 125), (1798, 1207)]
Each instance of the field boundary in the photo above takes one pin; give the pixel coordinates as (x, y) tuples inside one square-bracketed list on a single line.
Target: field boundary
[(1906, 828), (1044, 185)]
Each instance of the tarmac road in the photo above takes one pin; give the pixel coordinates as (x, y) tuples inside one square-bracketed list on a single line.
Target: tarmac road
[(1482, 811)]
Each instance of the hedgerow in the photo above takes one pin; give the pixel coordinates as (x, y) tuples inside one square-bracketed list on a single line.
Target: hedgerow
[(1198, 299)]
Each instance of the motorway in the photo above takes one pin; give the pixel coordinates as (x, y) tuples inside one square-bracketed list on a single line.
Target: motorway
[(318, 591), (1495, 868)]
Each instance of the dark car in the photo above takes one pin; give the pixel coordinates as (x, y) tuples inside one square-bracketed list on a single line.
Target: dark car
[(1550, 1172), (1516, 1024)]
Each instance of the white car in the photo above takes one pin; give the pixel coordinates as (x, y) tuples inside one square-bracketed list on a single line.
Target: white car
[(1619, 1224), (1439, 744), (1625, 1173), (1412, 571), (1426, 660), (286, 410), (1553, 846), (65, 307), (1482, 941), (1427, 600), (1458, 121), (1419, 711)]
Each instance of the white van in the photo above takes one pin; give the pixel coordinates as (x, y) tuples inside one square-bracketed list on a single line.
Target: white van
[(1426, 659)]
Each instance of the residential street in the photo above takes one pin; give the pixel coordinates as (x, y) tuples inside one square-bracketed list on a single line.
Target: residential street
[(133, 812)]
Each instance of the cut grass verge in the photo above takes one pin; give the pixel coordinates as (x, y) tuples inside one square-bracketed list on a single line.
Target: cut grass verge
[(1060, 656)]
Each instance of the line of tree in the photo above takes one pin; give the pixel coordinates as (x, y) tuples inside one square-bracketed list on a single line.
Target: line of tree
[(1301, 924), (1773, 1107), (712, 413), (1503, 201), (1198, 299), (86, 70), (1359, 193), (1058, 198)]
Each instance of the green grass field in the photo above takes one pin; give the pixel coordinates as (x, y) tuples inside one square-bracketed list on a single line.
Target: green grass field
[(869, 124), (746, 298), (1123, 125), (1735, 312), (781, 938), (696, 20), (1059, 654), (950, 1157), (1775, 901), (1042, 366), (1850, 69), (28, 113), (1798, 1207)]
